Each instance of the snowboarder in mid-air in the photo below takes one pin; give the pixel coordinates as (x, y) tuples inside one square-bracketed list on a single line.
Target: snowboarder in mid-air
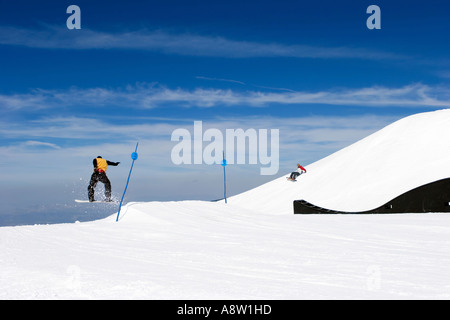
[(300, 170), (100, 166)]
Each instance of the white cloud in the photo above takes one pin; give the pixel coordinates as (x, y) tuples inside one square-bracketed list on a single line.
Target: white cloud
[(53, 37), (153, 96), (40, 144)]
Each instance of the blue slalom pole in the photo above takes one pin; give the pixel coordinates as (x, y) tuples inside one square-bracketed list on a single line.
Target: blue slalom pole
[(134, 156), (224, 164)]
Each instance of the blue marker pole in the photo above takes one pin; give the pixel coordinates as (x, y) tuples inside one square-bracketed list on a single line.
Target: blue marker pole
[(224, 164), (134, 156)]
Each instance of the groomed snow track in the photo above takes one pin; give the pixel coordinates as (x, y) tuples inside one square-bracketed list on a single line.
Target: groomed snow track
[(431, 197)]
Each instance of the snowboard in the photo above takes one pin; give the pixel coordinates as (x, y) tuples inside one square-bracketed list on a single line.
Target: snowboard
[(102, 201), (290, 179)]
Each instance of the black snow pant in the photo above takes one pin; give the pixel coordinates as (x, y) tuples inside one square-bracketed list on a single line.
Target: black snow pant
[(294, 175), (95, 178)]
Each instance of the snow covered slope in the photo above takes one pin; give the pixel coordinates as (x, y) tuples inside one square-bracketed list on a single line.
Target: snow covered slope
[(404, 155), (254, 247), (203, 250)]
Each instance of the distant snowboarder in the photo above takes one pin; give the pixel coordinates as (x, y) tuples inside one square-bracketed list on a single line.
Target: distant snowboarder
[(300, 170), (100, 166)]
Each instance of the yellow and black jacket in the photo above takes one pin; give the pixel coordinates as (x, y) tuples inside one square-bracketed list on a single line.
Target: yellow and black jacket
[(101, 165)]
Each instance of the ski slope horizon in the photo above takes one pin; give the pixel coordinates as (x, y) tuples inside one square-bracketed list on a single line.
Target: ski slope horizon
[(254, 247)]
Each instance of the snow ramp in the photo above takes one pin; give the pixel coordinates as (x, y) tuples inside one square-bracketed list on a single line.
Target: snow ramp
[(405, 155), (432, 197)]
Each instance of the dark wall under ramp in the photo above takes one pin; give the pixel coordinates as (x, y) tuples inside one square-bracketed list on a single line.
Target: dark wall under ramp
[(431, 197)]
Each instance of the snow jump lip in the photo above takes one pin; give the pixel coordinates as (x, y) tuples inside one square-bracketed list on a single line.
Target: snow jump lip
[(431, 197)]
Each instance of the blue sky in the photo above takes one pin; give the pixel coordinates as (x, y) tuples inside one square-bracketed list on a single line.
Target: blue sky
[(137, 70)]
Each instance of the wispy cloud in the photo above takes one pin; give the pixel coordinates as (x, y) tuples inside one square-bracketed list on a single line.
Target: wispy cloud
[(243, 83), (220, 80), (52, 37), (40, 144), (154, 96), (75, 129)]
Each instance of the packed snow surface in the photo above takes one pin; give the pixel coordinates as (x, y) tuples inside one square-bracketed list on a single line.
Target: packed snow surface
[(254, 247)]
